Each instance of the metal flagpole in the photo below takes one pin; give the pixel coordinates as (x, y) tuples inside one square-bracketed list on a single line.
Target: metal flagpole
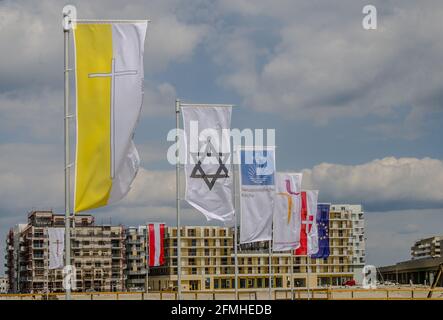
[(66, 29), (147, 279), (270, 270), (177, 191), (236, 208), (291, 257), (309, 275), (147, 260)]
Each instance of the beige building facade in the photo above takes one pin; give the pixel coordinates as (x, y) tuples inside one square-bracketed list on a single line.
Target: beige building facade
[(427, 248), (208, 260)]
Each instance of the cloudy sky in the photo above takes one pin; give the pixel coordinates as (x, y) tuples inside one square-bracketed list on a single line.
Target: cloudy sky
[(358, 111)]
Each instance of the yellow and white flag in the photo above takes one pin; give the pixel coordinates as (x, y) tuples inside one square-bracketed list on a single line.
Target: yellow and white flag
[(109, 84)]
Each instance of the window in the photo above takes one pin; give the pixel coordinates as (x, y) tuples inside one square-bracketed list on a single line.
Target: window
[(299, 283), (259, 283)]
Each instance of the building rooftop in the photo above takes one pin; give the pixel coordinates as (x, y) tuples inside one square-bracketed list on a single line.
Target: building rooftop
[(425, 263)]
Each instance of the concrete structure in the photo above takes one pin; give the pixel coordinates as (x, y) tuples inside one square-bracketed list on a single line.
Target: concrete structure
[(415, 271), (136, 258), (427, 248), (208, 258), (98, 253), (4, 284), (13, 255), (110, 258), (357, 239)]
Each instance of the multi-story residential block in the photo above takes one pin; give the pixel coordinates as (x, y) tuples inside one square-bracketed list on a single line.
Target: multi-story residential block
[(98, 253), (427, 248), (208, 258), (110, 258), (136, 257), (12, 257), (357, 239)]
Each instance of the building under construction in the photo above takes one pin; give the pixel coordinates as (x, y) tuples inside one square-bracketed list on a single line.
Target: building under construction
[(98, 254)]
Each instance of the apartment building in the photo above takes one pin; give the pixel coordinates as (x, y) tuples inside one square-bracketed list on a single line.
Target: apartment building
[(208, 258), (357, 239), (136, 258), (427, 248), (97, 252), (12, 256)]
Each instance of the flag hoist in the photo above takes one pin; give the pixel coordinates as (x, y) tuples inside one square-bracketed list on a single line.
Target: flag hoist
[(109, 91)]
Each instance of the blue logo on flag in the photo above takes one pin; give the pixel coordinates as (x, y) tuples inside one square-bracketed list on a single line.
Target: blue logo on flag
[(257, 168)]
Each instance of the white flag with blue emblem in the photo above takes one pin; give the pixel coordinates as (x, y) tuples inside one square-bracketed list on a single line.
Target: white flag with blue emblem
[(257, 183)]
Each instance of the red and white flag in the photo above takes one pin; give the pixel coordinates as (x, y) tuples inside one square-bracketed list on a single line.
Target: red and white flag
[(156, 234), (308, 230)]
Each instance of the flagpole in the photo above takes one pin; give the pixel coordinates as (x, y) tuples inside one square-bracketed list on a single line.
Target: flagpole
[(291, 257), (177, 193), (66, 28), (235, 233), (270, 270), (309, 275), (147, 279)]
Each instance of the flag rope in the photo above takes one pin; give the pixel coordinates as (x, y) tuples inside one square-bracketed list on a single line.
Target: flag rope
[(236, 208)]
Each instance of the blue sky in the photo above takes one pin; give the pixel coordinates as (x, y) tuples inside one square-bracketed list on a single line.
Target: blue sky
[(358, 111)]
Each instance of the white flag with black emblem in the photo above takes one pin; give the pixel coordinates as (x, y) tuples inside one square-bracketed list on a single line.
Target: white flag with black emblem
[(208, 166)]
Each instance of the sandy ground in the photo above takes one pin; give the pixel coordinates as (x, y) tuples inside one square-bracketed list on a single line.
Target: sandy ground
[(339, 294)]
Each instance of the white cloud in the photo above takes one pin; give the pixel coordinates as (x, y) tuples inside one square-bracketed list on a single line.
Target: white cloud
[(31, 113), (319, 63), (32, 41), (152, 188), (380, 182), (31, 176), (158, 99)]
